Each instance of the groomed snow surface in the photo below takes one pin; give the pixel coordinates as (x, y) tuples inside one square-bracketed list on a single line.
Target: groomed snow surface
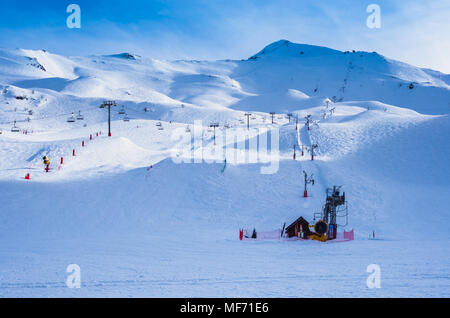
[(142, 219)]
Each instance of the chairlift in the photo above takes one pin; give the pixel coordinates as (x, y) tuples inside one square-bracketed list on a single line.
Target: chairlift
[(126, 118), (71, 119), (15, 128), (79, 116), (122, 111), (161, 128), (188, 130), (158, 124)]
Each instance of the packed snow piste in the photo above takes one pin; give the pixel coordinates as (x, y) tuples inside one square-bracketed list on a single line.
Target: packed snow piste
[(324, 229)]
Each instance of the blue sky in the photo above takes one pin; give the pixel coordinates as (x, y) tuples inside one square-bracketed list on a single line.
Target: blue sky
[(415, 32)]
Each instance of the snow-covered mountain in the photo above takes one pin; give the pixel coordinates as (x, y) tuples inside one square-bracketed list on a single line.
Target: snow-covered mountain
[(139, 223), (282, 77)]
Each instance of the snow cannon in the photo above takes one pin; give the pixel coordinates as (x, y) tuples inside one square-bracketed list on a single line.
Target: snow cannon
[(321, 227)]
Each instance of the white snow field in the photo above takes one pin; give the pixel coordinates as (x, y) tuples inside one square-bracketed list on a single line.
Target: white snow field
[(143, 215)]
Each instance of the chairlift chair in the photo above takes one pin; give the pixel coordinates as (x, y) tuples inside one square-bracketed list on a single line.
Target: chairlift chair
[(158, 124), (71, 119), (126, 118), (188, 130), (79, 116), (122, 111), (15, 128)]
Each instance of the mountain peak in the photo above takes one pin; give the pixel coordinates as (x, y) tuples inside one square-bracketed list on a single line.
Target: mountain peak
[(285, 48)]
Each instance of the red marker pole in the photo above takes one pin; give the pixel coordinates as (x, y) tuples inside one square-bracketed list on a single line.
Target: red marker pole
[(62, 160), (305, 194), (82, 143), (73, 153), (90, 137)]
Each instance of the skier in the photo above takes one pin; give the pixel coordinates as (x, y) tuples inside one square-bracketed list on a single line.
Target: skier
[(46, 160)]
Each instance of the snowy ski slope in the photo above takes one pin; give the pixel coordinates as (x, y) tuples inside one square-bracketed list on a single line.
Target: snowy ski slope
[(156, 212)]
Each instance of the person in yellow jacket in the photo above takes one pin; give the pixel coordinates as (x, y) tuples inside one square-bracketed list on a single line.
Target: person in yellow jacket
[(46, 160)]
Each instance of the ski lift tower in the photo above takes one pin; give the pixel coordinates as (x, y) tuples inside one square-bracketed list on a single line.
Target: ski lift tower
[(214, 126), (314, 146), (308, 121), (329, 215), (289, 116), (108, 104), (248, 120), (272, 114), (308, 180)]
